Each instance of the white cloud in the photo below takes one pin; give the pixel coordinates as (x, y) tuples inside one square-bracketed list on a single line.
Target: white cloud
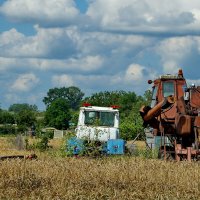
[(62, 43), (118, 45), (134, 72), (47, 43), (174, 51), (62, 80), (85, 64), (153, 16), (146, 16), (43, 12), (24, 82), (11, 37)]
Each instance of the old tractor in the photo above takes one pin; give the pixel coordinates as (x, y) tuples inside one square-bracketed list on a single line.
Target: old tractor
[(173, 118)]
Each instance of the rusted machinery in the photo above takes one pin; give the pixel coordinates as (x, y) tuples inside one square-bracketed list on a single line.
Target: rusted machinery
[(28, 157), (174, 116)]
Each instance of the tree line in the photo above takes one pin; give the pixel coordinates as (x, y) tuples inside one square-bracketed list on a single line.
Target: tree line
[(62, 109)]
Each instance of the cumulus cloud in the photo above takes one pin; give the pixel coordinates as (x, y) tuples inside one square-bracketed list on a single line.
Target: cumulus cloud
[(146, 16), (47, 43), (86, 64), (24, 82), (10, 38), (62, 80), (134, 73), (54, 12), (62, 43), (175, 51)]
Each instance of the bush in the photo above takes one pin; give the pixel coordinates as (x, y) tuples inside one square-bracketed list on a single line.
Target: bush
[(49, 134), (7, 129), (128, 130), (42, 145)]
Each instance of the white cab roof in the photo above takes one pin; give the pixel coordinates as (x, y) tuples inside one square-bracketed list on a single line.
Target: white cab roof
[(98, 108)]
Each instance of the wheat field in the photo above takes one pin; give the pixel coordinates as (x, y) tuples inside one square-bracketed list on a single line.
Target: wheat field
[(118, 177)]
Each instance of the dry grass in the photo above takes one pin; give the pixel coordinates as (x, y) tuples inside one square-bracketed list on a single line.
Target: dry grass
[(105, 178)]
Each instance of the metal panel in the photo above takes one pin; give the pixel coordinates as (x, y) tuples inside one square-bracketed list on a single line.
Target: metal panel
[(75, 146), (116, 146)]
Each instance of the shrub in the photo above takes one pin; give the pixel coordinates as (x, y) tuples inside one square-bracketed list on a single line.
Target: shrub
[(128, 130), (7, 129)]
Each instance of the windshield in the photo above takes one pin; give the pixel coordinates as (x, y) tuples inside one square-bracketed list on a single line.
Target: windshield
[(168, 89), (99, 118), (154, 93)]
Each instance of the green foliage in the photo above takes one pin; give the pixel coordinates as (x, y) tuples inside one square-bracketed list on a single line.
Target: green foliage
[(93, 148), (74, 117), (146, 153), (58, 114), (147, 97), (16, 108), (42, 145), (129, 130), (72, 94), (7, 129), (6, 117), (25, 119), (49, 134), (62, 104), (121, 98)]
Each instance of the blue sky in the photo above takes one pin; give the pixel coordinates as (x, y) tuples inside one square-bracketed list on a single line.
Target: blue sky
[(96, 45)]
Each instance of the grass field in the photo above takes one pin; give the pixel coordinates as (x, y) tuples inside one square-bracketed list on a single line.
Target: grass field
[(121, 177)]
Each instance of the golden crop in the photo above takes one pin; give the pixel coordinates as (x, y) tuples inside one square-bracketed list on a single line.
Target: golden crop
[(121, 177)]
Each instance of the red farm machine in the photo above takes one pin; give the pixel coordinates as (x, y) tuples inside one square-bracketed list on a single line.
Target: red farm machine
[(173, 118)]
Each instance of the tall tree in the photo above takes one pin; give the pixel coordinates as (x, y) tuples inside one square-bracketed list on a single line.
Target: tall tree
[(58, 114), (72, 94)]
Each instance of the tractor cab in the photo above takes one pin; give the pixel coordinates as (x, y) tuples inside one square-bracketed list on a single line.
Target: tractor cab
[(167, 85), (98, 123)]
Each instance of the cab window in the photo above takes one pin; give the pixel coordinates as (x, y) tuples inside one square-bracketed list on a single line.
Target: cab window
[(99, 118), (168, 89)]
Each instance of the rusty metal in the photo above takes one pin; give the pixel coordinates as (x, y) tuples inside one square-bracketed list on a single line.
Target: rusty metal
[(175, 112), (29, 157), (183, 124)]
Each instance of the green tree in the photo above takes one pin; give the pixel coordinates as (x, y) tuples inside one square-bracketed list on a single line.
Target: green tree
[(72, 94), (7, 120), (123, 99), (6, 117), (16, 108), (103, 98), (25, 119), (108, 98), (58, 114)]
